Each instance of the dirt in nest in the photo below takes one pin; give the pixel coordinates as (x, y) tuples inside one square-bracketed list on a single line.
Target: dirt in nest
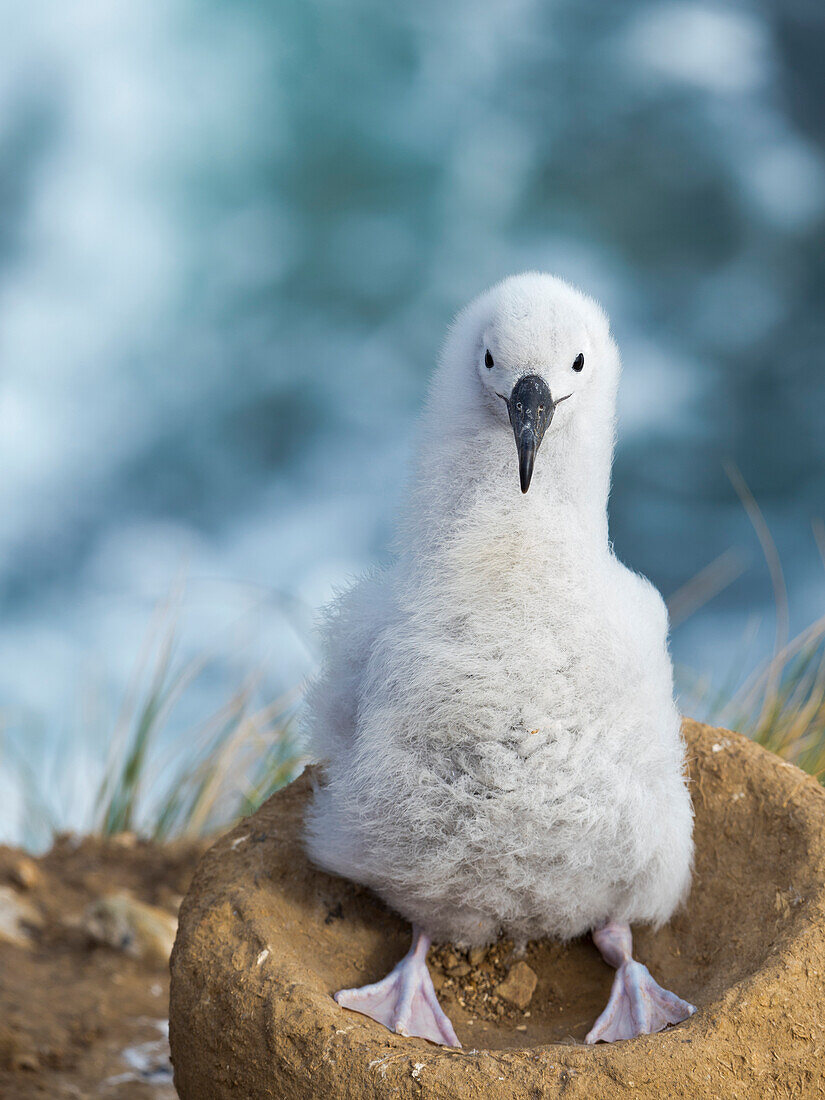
[(77, 1018), (472, 979), (265, 939), (480, 980)]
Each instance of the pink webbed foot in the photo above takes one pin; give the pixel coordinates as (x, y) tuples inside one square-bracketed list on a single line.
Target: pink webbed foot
[(405, 1000), (637, 1005)]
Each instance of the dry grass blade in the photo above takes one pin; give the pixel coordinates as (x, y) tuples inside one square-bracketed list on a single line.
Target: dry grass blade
[(708, 582), (746, 696), (793, 724), (212, 783), (781, 704), (780, 591), (202, 781)]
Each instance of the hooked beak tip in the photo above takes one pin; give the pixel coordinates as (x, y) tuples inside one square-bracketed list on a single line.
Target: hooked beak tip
[(526, 459)]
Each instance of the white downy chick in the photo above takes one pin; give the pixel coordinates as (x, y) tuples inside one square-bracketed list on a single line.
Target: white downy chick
[(495, 714)]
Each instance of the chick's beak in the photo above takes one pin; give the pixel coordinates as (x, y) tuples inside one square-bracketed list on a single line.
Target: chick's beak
[(531, 409)]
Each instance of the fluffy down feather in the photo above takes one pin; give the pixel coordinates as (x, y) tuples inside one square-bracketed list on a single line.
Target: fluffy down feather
[(495, 711)]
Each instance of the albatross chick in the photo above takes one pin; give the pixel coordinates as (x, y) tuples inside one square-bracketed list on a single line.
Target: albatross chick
[(495, 714)]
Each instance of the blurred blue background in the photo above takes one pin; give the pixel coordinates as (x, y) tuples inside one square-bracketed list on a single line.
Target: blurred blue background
[(227, 229)]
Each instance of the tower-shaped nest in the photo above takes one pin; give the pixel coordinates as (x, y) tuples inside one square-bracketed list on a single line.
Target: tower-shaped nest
[(265, 939)]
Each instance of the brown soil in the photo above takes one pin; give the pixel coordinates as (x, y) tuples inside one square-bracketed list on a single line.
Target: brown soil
[(73, 1013), (265, 939), (472, 979)]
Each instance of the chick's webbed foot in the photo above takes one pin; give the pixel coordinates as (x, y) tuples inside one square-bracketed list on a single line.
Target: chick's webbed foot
[(637, 1005), (405, 1000)]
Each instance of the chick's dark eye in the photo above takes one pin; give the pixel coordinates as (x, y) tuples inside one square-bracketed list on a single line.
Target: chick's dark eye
[(578, 362), (488, 359)]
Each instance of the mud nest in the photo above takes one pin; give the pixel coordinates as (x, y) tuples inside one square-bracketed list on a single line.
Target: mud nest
[(265, 939)]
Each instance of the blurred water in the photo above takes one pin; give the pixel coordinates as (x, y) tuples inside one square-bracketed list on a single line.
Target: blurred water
[(227, 230)]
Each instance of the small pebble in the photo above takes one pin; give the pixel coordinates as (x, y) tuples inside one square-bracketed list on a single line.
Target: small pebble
[(519, 985), (25, 873), (129, 925), (27, 1061), (17, 918), (124, 840)]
